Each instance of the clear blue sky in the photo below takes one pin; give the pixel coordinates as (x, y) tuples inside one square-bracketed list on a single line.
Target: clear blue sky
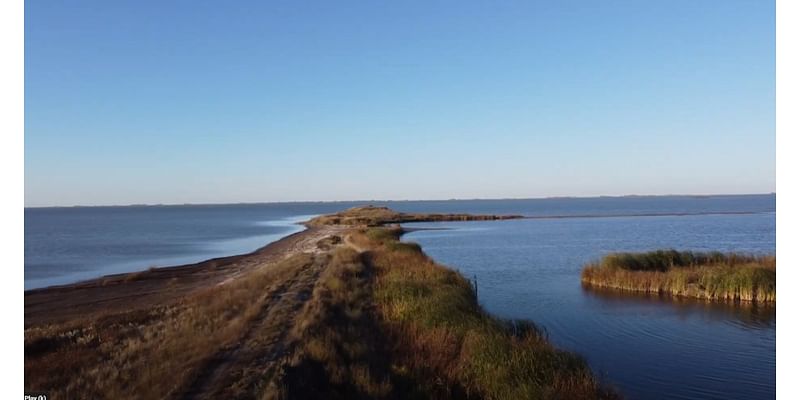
[(197, 102)]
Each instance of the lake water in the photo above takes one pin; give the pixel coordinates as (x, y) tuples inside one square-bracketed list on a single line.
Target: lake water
[(645, 346)]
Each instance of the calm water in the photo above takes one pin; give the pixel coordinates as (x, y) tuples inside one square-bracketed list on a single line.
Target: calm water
[(647, 347)]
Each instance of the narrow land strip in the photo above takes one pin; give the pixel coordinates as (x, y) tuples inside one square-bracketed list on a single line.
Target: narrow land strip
[(343, 310)]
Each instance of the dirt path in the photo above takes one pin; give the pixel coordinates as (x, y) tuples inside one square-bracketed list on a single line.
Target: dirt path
[(263, 343), (123, 292)]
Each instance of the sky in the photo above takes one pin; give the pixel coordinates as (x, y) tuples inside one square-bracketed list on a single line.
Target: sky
[(165, 102)]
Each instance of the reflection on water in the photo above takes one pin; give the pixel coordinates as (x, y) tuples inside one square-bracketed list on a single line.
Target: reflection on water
[(752, 316)]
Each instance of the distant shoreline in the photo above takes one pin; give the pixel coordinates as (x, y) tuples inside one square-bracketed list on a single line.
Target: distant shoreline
[(627, 196), (578, 216), (672, 214)]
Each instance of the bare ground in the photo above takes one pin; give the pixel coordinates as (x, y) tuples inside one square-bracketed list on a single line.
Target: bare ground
[(114, 293)]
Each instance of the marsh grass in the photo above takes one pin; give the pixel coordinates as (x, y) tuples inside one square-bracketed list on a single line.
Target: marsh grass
[(445, 343), (712, 276)]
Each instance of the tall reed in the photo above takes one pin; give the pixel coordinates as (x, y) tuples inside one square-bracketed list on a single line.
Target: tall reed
[(713, 276)]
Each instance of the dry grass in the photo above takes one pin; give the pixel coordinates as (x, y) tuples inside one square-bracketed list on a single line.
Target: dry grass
[(149, 353), (340, 351), (447, 345), (711, 276)]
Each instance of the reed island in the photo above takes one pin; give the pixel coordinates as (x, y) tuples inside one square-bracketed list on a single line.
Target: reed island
[(342, 310), (710, 276)]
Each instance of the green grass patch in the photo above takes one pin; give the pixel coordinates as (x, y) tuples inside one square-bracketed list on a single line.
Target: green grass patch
[(403, 246), (383, 235)]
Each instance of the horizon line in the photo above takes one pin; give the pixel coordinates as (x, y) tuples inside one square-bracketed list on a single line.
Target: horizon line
[(400, 200)]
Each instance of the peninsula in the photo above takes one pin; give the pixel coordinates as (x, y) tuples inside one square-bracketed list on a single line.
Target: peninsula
[(342, 310)]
